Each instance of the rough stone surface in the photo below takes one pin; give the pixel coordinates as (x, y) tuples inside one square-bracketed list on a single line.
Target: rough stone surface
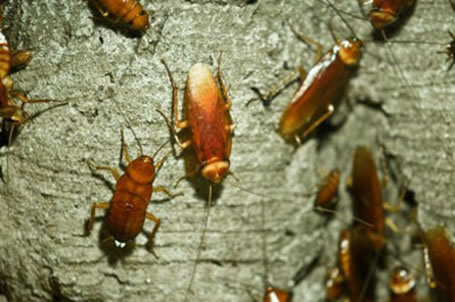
[(103, 72)]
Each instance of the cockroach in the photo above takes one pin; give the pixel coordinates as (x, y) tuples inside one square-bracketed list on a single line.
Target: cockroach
[(367, 200), (402, 286), (441, 256), (320, 89), (208, 117), (358, 264), (128, 13), (386, 12), (328, 192), (127, 209)]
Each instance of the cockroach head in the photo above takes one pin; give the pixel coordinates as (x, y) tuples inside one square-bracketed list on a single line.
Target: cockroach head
[(215, 171), (381, 18), (350, 51), (401, 281), (142, 170)]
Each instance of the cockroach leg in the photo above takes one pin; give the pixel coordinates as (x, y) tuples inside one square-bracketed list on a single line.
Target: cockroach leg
[(178, 123), (226, 97), (112, 170), (272, 93), (316, 123), (309, 41), (102, 12), (165, 191), (95, 205), (395, 208), (392, 226), (20, 58), (182, 145), (151, 236)]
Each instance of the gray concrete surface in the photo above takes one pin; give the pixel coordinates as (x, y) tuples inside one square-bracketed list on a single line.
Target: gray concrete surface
[(47, 199)]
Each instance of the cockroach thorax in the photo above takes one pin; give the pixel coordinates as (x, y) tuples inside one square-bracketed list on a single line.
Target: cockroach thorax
[(142, 170), (382, 18), (215, 171), (350, 51)]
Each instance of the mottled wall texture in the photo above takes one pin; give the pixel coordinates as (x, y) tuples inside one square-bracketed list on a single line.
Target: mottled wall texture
[(399, 104)]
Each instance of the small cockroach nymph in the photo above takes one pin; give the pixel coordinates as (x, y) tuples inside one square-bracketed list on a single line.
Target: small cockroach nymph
[(327, 196), (127, 13), (127, 209)]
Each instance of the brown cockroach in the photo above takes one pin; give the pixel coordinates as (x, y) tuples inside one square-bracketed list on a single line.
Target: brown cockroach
[(441, 256), (357, 262), (367, 200), (127, 209), (207, 116), (386, 12), (320, 89), (402, 285), (327, 196), (127, 13)]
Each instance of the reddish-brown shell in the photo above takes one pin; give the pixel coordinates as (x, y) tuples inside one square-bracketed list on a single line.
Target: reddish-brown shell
[(208, 118), (324, 85), (442, 259), (128, 12), (367, 190), (356, 261), (131, 197), (386, 12), (328, 191)]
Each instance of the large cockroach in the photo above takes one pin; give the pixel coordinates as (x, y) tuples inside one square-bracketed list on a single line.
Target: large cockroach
[(320, 89), (207, 116)]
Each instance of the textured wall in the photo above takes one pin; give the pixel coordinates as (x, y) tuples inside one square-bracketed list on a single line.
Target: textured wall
[(47, 200)]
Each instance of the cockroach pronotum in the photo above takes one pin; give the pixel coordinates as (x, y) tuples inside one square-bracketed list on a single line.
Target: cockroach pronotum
[(207, 116), (441, 256), (127, 209), (129, 13), (402, 286), (320, 89), (328, 193)]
